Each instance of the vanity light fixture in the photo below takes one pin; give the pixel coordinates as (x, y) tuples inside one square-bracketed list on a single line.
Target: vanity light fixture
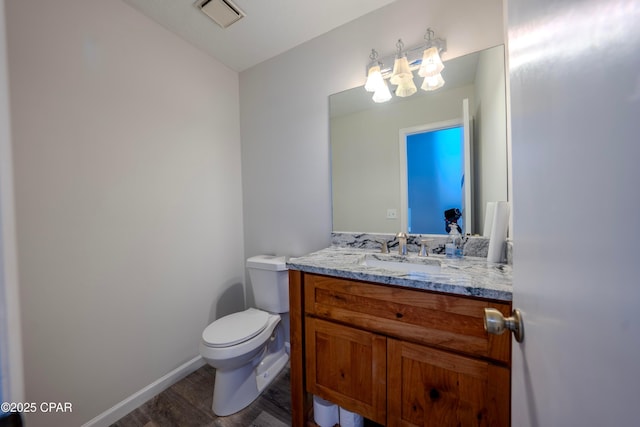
[(425, 58), (432, 65), (402, 75), (375, 82)]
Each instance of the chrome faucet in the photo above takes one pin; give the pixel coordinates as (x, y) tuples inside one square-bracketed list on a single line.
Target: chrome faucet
[(402, 243), (424, 247)]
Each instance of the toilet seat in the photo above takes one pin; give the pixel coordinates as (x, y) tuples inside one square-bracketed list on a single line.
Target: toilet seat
[(235, 328)]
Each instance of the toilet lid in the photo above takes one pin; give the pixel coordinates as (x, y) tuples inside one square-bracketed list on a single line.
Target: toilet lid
[(235, 328)]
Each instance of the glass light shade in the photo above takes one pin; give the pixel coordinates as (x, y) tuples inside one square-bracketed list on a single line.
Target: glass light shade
[(374, 79), (432, 83), (406, 88), (401, 70), (431, 63), (382, 93)]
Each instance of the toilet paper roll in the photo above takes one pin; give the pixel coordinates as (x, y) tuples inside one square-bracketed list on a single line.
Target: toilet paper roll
[(325, 413), (350, 419), (488, 219), (499, 229)]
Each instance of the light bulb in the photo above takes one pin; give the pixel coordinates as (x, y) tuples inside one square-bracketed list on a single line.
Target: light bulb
[(374, 79), (432, 83), (401, 70), (382, 94), (406, 88), (431, 63)]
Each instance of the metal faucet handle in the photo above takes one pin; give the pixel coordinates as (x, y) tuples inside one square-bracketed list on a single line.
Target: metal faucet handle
[(424, 247), (384, 247)]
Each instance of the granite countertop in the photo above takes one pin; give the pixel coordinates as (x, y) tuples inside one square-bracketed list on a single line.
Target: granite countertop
[(471, 276)]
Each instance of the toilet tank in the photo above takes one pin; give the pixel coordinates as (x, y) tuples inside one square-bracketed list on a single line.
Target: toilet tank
[(270, 282)]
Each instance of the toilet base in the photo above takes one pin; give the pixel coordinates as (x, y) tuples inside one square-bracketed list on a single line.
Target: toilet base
[(236, 389), (270, 367)]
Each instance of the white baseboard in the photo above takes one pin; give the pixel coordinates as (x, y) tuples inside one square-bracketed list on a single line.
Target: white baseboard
[(121, 409)]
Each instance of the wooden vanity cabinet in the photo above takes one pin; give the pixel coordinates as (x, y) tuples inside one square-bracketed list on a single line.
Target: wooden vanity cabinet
[(397, 356)]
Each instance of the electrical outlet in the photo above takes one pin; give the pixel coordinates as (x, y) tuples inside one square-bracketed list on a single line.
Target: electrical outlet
[(392, 214)]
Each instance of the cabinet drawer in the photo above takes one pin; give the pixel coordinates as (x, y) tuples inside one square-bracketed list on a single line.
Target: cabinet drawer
[(441, 320)]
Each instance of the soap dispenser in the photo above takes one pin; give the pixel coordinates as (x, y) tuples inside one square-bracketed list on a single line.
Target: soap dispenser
[(453, 247)]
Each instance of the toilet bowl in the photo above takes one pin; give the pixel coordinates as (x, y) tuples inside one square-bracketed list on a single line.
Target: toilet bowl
[(247, 348)]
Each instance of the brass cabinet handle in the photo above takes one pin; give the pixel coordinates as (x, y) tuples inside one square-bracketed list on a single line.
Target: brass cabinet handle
[(495, 323)]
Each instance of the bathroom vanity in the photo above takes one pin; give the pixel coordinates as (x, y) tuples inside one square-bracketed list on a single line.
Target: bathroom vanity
[(397, 345)]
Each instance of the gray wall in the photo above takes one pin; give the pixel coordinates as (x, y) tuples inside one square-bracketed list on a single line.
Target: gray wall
[(127, 182), (284, 113), (10, 329)]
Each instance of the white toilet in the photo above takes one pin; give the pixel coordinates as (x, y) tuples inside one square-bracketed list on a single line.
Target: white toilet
[(248, 348)]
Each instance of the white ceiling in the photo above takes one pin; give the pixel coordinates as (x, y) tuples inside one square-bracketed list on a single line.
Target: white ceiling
[(268, 29)]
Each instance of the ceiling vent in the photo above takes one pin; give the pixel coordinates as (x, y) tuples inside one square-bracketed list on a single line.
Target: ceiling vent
[(223, 12)]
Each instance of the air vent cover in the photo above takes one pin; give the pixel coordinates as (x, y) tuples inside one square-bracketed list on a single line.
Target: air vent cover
[(223, 12)]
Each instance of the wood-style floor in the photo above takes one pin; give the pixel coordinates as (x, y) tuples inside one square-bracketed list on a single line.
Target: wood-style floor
[(187, 403)]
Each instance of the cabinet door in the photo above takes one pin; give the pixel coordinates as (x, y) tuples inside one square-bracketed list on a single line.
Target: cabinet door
[(429, 387), (347, 366)]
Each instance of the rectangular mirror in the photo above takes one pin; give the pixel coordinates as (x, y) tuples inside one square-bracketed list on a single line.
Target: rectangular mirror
[(368, 192)]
